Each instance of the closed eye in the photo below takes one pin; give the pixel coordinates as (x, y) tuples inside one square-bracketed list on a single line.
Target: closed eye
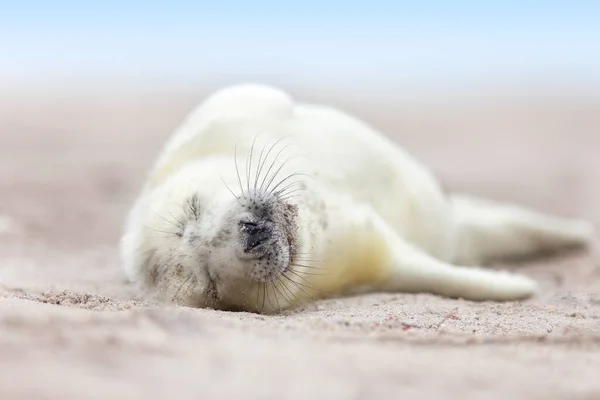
[(193, 207)]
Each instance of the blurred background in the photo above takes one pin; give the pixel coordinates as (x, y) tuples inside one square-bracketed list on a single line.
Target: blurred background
[(500, 98), (384, 45)]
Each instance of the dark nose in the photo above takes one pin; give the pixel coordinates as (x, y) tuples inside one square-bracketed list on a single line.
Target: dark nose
[(257, 234)]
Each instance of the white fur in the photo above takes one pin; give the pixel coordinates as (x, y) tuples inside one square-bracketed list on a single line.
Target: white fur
[(375, 217)]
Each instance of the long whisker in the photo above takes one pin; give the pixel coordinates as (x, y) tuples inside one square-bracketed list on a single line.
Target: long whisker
[(310, 262), (303, 256), (291, 194), (167, 221), (237, 170), (298, 301), (286, 178), (271, 167), (158, 230), (268, 297), (181, 224), (193, 283), (295, 264), (279, 170), (255, 283), (265, 160), (298, 286), (257, 294), (281, 293), (312, 273), (259, 166), (263, 297), (272, 284), (303, 284), (288, 198), (180, 286), (303, 278), (288, 187), (231, 191), (287, 289), (249, 164)]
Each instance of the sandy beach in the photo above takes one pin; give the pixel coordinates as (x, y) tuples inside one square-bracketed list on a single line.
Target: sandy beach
[(71, 327)]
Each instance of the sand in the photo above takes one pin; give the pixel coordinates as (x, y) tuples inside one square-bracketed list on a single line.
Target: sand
[(72, 328)]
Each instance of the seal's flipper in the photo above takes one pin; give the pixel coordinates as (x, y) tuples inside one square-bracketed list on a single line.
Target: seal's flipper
[(417, 272), (368, 254), (487, 231)]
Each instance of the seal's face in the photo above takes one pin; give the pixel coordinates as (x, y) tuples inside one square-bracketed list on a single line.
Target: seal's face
[(227, 253), (250, 241)]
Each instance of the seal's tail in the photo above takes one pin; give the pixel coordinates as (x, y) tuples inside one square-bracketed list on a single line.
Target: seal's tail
[(489, 231)]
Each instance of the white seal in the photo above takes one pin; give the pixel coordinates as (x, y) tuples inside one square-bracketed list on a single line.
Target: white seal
[(259, 203)]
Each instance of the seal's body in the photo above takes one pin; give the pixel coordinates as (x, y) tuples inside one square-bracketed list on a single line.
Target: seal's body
[(258, 203)]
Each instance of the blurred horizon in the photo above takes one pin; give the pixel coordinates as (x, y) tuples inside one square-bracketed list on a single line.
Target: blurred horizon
[(430, 44)]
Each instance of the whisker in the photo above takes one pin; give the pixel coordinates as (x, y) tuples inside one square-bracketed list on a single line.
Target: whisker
[(254, 283), (181, 224), (298, 302), (193, 283), (274, 295), (180, 286), (310, 273), (167, 221), (295, 264), (158, 230), (306, 260), (291, 194), (267, 284), (231, 191), (257, 295), (271, 167), (297, 286), (305, 253), (265, 160), (282, 191), (249, 164), (263, 299), (291, 176), (288, 198), (303, 278), (259, 166), (303, 285), (278, 171), (281, 293), (237, 170)]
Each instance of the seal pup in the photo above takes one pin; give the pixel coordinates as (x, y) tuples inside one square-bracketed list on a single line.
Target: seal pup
[(259, 203)]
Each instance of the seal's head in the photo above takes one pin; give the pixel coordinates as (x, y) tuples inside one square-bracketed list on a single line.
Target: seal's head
[(251, 240), (201, 246)]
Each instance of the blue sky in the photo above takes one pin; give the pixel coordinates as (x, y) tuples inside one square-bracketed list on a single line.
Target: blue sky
[(336, 40)]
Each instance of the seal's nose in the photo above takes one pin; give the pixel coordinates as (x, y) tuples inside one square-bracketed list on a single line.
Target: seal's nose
[(257, 235)]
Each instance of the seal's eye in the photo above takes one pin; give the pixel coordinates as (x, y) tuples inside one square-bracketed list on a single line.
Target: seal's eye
[(193, 207)]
